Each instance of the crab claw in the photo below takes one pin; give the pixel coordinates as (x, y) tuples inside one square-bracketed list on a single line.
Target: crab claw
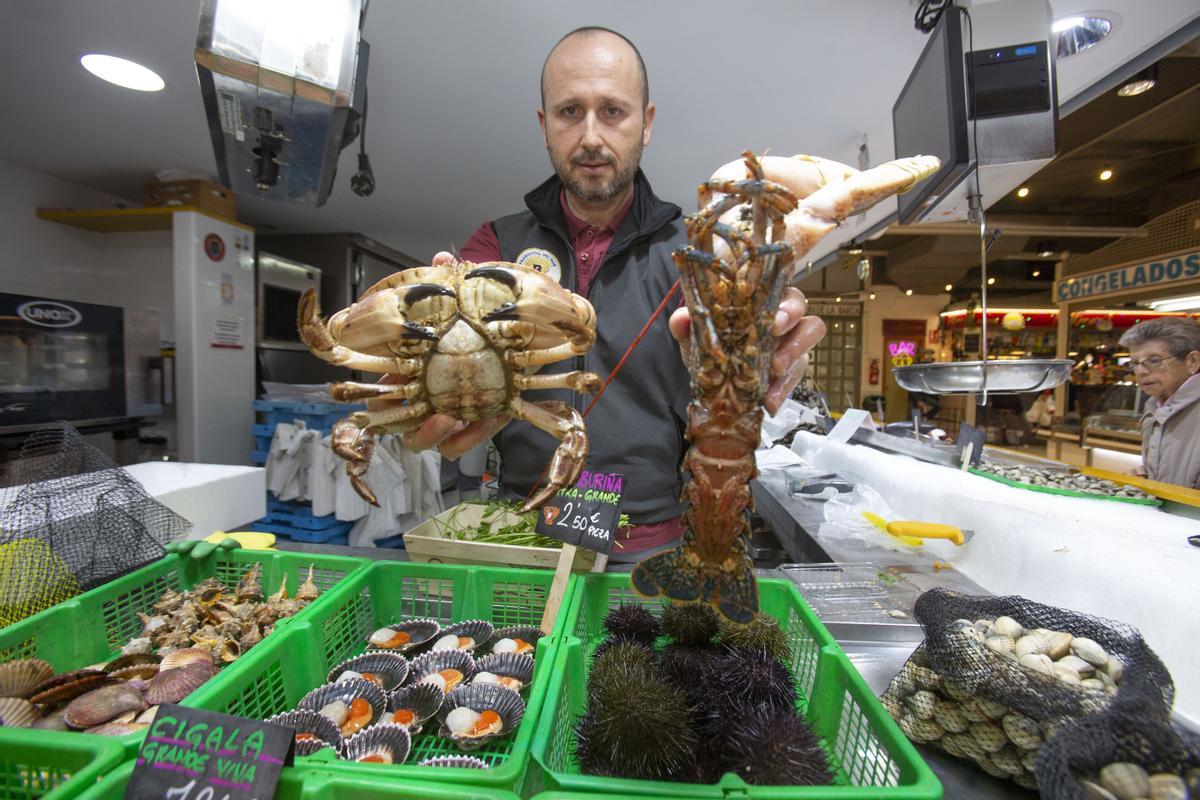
[(308, 322), (564, 468)]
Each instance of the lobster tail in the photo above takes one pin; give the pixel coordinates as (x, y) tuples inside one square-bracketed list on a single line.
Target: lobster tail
[(680, 576)]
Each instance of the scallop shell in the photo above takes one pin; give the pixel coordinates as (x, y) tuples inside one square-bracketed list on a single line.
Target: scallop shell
[(183, 657), (421, 630), (392, 668), (307, 721), (102, 705), (17, 712), (526, 633), (391, 742), (423, 699), (1125, 780), (479, 630), (69, 685), (54, 722), (505, 702), (347, 692), (20, 678), (509, 665), (443, 659), (172, 685), (455, 762), (118, 728), (134, 665)]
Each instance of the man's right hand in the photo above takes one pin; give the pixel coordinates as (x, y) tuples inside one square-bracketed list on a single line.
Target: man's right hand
[(452, 437)]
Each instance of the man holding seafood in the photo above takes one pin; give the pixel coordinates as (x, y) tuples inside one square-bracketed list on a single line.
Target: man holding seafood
[(598, 228)]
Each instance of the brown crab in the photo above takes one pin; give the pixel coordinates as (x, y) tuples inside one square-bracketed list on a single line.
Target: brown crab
[(459, 339)]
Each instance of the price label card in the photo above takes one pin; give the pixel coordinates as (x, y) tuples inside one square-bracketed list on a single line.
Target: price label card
[(190, 754), (587, 513)]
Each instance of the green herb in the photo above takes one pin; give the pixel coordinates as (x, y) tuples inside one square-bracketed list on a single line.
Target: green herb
[(495, 527), (888, 578)]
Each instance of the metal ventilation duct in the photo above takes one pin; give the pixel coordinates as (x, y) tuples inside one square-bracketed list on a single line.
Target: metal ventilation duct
[(283, 83), (925, 261)]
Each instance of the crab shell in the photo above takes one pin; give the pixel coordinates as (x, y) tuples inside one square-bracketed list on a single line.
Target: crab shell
[(507, 665), (477, 631), (391, 743), (423, 699), (430, 663), (307, 721), (391, 668), (483, 697)]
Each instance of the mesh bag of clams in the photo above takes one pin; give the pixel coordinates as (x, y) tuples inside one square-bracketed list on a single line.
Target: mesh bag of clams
[(1127, 752), (998, 676)]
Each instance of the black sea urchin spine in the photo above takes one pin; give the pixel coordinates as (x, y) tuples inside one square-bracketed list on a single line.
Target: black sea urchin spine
[(771, 747), (761, 633), (629, 621), (690, 623)]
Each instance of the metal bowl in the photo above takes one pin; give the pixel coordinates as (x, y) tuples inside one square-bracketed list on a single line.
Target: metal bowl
[(1003, 377)]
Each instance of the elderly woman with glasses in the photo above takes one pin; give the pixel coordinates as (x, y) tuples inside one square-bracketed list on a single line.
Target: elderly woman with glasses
[(1165, 358)]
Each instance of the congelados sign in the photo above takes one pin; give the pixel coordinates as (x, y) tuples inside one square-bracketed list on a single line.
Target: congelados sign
[(1148, 275)]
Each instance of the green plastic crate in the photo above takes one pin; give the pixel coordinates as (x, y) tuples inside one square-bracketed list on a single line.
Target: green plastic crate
[(56, 766), (301, 660), (93, 626), (870, 755), (295, 784)]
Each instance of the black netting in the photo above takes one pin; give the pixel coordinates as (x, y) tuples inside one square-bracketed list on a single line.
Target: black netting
[(1134, 730), (93, 516), (997, 677)]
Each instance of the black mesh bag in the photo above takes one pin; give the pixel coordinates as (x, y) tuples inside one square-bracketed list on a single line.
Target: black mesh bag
[(73, 501), (1134, 733), (999, 676)]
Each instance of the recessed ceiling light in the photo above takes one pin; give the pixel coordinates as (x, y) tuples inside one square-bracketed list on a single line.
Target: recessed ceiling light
[(991, 281), (948, 287), (1037, 272), (1105, 174), (122, 72), (1076, 34), (1140, 83), (1023, 191), (908, 292), (837, 299), (871, 296)]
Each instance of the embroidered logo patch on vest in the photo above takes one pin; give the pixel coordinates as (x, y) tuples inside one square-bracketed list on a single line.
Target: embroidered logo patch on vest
[(542, 260)]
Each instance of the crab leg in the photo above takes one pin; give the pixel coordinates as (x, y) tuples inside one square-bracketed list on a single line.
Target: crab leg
[(355, 445), (536, 358), (349, 391), (316, 335), (563, 423), (578, 380)]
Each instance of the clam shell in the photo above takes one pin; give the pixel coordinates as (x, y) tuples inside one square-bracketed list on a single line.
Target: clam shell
[(1021, 731), (1115, 668), (1007, 626), (1058, 643), (921, 704), (989, 735), (69, 685), (509, 665), (308, 721), (1032, 643), (347, 692), (102, 705), (1082, 668), (479, 630), (393, 742), (921, 731), (423, 699), (1165, 786), (183, 657), (949, 717), (1094, 791), (17, 712), (390, 667), (526, 633), (460, 660), (455, 762), (421, 630), (1089, 651), (20, 678), (172, 685), (1037, 662), (1125, 780), (999, 644), (505, 702), (1008, 761)]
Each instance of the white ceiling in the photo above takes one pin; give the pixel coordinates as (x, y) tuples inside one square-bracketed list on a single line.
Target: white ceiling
[(452, 133)]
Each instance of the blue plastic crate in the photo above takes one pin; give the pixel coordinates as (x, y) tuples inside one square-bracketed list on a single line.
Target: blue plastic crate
[(336, 535), (296, 521), (317, 416)]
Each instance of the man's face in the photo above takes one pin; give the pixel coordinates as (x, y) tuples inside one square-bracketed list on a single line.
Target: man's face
[(593, 122)]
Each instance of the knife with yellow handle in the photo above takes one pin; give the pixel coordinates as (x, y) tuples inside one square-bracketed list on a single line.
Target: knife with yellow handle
[(914, 533)]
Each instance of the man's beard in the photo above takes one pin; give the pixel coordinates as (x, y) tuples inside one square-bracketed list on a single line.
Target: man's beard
[(590, 192)]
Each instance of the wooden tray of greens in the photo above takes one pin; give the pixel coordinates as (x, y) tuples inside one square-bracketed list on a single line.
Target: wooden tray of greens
[(490, 533)]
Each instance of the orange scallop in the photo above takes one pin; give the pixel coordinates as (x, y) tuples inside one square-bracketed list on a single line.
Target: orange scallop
[(401, 637), (303, 736), (488, 721), (404, 717), (522, 645), (373, 678), (452, 677), (359, 718), (374, 758), (465, 642)]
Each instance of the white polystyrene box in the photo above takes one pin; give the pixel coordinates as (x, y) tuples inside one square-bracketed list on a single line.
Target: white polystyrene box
[(213, 497)]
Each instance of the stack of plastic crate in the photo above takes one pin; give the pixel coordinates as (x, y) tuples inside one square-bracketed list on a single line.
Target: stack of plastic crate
[(293, 519)]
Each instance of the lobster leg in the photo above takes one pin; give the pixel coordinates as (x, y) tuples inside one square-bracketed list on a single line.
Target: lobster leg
[(563, 423)]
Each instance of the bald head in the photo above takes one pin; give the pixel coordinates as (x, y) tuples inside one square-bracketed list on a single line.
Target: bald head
[(609, 39)]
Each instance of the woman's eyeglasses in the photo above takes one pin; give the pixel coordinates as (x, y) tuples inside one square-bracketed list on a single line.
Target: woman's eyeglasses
[(1151, 363)]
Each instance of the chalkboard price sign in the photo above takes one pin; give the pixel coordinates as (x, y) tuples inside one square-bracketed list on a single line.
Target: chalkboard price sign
[(191, 754), (587, 513)]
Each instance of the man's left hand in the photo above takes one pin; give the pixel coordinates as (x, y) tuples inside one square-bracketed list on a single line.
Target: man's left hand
[(795, 334)]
